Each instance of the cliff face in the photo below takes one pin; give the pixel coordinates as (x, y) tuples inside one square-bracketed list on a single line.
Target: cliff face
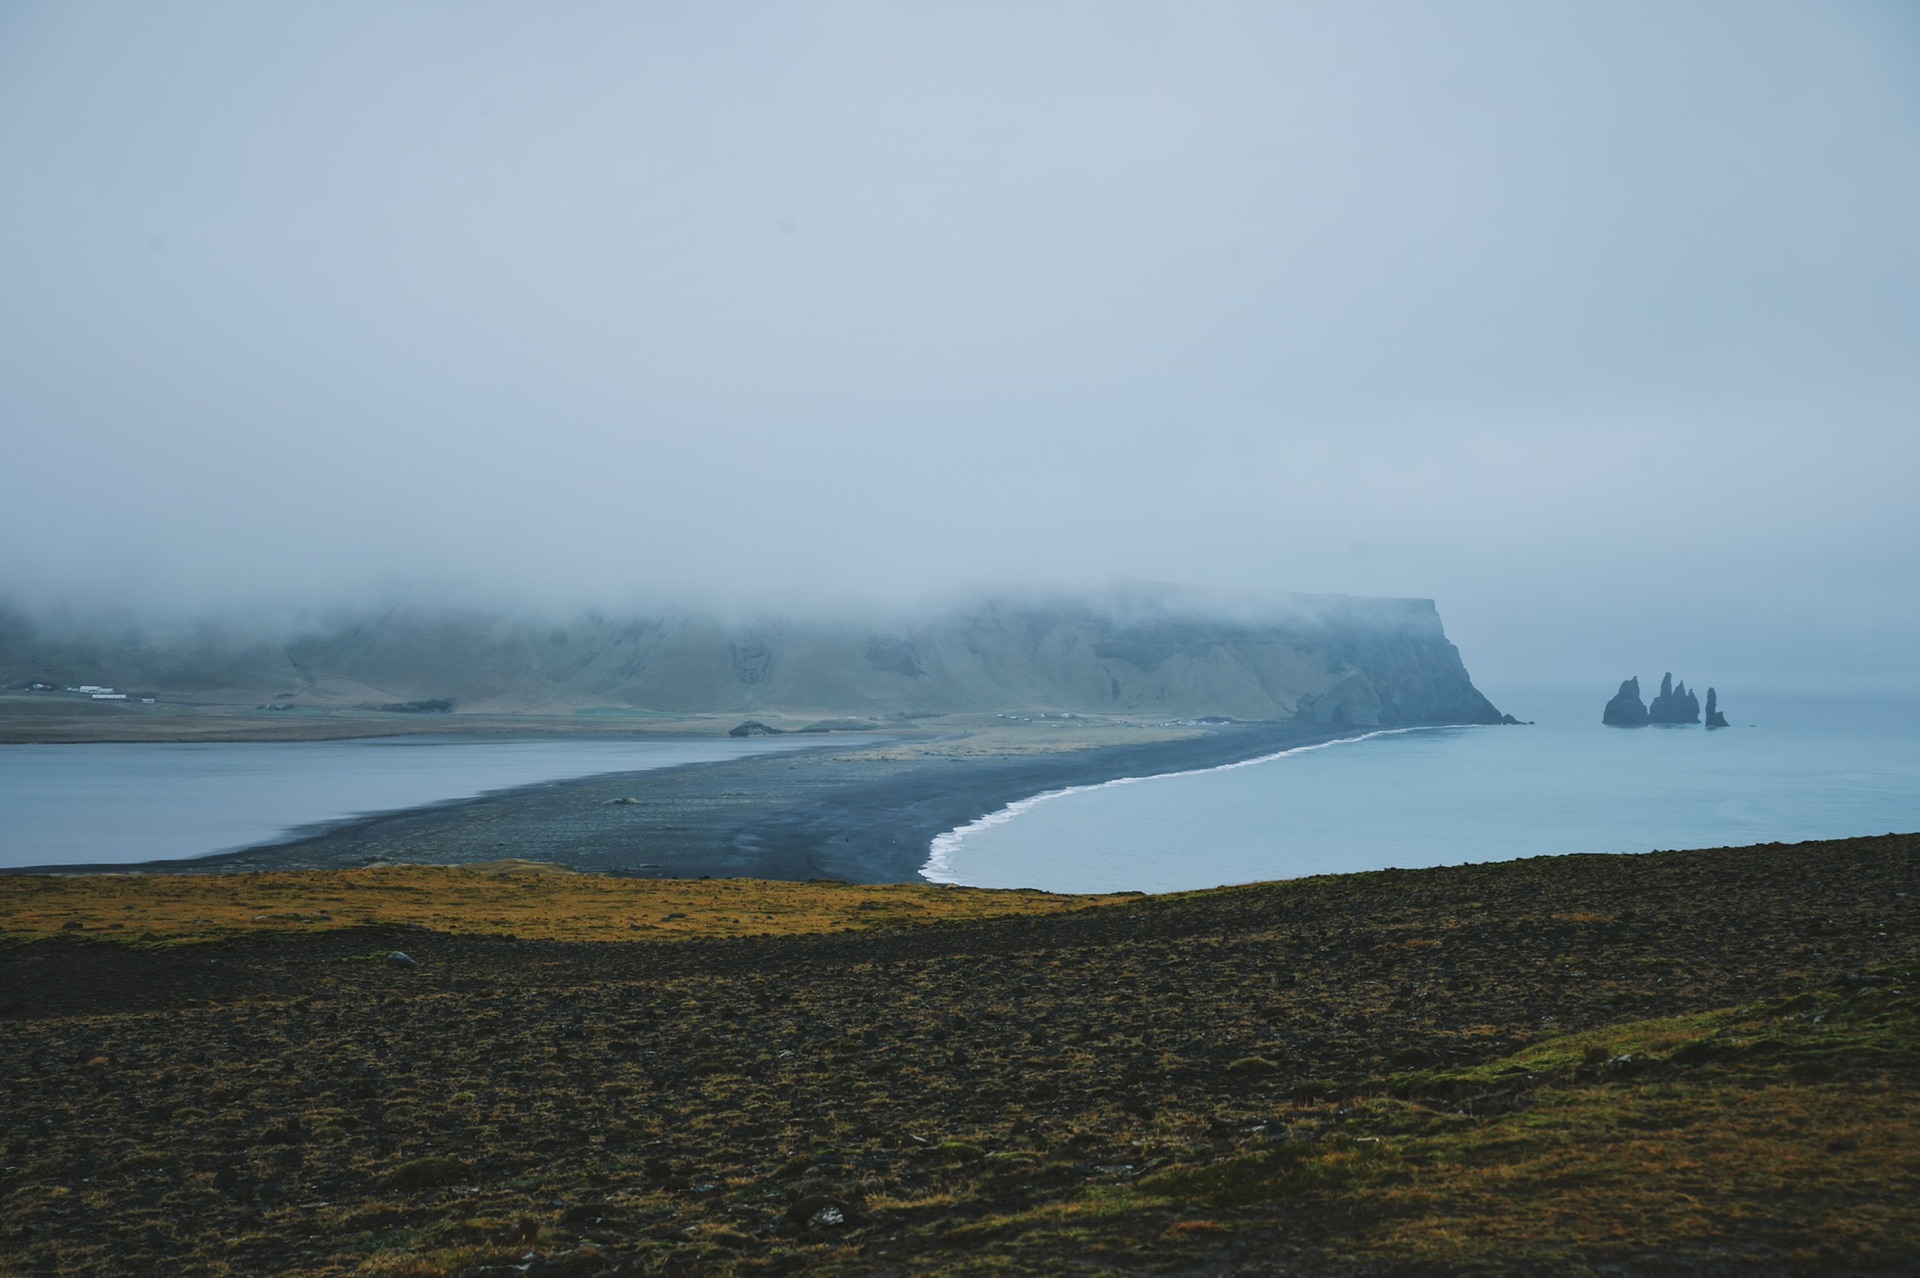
[(1162, 652)]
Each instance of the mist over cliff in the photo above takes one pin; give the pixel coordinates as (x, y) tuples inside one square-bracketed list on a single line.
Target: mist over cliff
[(1595, 322), (1137, 650)]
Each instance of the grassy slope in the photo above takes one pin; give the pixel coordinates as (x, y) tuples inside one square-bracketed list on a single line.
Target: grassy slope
[(1158, 654)]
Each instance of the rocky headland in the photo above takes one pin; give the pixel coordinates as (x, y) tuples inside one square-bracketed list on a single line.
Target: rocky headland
[(1140, 650), (980, 705)]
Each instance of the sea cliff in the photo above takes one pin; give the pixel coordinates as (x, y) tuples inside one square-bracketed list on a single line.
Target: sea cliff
[(1152, 651)]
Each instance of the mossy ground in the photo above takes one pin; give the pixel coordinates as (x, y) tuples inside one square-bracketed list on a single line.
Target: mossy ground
[(1780, 1136), (1703, 1062)]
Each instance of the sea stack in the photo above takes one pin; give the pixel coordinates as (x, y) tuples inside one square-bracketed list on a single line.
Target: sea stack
[(1674, 704), (1626, 710)]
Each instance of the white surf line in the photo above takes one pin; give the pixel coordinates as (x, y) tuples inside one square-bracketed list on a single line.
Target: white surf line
[(939, 866)]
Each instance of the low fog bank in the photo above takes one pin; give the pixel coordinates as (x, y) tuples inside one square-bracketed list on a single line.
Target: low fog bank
[(1529, 635), (187, 621), (1134, 649)]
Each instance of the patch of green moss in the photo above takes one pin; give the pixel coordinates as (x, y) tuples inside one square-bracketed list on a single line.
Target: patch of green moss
[(1590, 1127)]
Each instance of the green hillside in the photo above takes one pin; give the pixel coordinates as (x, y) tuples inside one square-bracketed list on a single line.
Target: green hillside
[(1152, 651)]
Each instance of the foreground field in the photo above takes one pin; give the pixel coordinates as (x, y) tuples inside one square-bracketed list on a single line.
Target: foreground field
[(1685, 1062)]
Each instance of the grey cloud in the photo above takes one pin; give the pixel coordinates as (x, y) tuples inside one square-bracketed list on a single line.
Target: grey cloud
[(1595, 324)]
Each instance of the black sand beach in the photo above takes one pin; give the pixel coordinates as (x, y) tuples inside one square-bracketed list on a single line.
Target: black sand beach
[(861, 813)]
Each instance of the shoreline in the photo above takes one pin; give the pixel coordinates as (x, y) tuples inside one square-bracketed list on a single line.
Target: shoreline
[(940, 850), (866, 814)]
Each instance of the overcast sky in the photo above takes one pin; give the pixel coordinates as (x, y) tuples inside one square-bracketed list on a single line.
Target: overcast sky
[(1598, 323)]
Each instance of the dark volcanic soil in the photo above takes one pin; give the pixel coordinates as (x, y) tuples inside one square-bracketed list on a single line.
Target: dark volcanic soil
[(265, 1106), (828, 813)]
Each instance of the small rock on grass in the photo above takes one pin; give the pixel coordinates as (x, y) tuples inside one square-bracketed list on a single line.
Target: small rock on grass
[(820, 1211)]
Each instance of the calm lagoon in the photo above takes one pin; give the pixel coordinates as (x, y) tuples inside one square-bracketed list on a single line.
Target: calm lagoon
[(72, 804), (1791, 768)]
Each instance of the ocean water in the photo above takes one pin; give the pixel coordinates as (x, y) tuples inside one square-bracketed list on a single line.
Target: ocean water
[(66, 804), (1790, 768)]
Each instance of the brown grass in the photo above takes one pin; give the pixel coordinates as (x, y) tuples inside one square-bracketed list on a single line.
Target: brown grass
[(520, 898)]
